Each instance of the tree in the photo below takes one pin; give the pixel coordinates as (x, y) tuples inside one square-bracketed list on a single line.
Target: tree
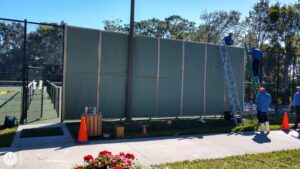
[(174, 27), (216, 24), (45, 49), (152, 27), (114, 25), (11, 50), (285, 23), (258, 23), (178, 27)]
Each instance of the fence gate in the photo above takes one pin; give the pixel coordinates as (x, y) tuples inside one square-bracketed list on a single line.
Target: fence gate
[(31, 70), (12, 69)]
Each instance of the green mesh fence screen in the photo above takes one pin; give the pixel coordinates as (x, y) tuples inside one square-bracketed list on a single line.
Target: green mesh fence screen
[(170, 77)]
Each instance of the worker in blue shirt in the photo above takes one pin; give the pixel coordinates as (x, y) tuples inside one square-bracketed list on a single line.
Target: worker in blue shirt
[(256, 57), (228, 39), (263, 101), (296, 103)]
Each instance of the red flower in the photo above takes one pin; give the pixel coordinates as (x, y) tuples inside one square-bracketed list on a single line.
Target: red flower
[(118, 167), (95, 163), (88, 158), (122, 154), (78, 167), (107, 153), (130, 156)]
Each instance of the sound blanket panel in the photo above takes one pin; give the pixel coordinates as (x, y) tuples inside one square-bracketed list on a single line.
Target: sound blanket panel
[(149, 98), (112, 96), (144, 72), (214, 82), (81, 70), (237, 60), (169, 86), (193, 90)]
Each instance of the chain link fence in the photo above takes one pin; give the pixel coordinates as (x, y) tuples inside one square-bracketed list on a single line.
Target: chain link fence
[(30, 54), (279, 75), (11, 69)]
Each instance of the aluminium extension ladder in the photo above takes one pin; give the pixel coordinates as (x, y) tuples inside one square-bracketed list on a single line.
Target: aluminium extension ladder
[(231, 86), (255, 83)]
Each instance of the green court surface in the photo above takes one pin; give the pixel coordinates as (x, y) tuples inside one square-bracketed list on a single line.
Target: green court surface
[(11, 103), (34, 111)]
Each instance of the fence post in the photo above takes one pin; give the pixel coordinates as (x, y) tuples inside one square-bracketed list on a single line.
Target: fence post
[(277, 81), (294, 67), (24, 96), (42, 101), (63, 67), (59, 101)]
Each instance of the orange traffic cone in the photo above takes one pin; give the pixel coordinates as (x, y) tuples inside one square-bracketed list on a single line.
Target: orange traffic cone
[(82, 135), (285, 122)]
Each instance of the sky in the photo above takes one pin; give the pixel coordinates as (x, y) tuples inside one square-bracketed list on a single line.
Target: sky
[(91, 13)]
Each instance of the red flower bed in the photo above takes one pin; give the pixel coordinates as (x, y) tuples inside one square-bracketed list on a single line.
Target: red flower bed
[(106, 160)]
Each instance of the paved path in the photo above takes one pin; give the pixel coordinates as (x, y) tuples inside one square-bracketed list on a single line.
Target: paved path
[(56, 141), (154, 150)]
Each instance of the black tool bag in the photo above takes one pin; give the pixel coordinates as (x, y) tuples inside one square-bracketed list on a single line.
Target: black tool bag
[(10, 122)]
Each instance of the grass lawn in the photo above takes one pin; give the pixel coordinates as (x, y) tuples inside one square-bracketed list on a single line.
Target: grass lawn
[(280, 159), (41, 132), (7, 136), (180, 127)]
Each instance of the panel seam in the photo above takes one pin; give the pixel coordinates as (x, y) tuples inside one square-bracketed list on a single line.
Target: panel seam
[(204, 86), (99, 70), (182, 78), (157, 77)]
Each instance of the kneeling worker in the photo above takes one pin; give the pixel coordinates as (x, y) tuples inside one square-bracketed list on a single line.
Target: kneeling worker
[(263, 101)]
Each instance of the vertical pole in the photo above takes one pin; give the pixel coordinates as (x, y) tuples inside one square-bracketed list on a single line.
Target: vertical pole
[(42, 99), (64, 53), (60, 101), (24, 96), (297, 70), (294, 67), (54, 95), (274, 78), (277, 84), (261, 69), (128, 114)]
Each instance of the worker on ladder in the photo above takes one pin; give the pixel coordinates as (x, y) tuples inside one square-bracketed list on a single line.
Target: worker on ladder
[(228, 39), (256, 55)]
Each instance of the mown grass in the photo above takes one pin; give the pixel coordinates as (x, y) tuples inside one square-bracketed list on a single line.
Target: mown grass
[(289, 159), (7, 136)]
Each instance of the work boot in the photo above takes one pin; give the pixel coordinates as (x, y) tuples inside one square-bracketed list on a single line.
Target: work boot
[(267, 126), (262, 127)]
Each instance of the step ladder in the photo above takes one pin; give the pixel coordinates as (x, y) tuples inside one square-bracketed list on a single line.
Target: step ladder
[(255, 83), (230, 83)]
